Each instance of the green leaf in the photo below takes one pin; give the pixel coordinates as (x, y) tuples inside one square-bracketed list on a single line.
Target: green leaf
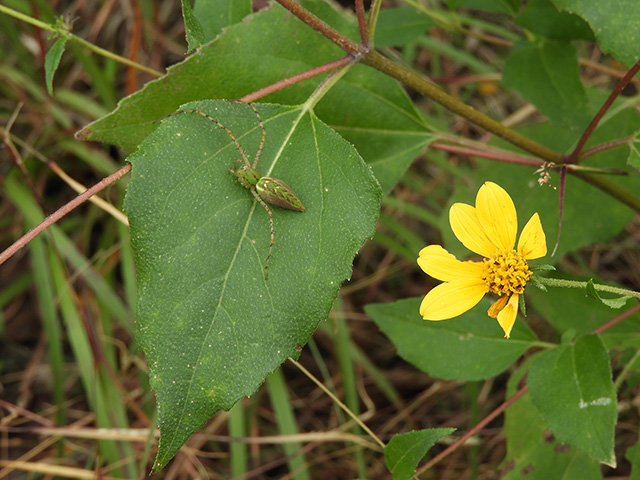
[(215, 15), (468, 347), (366, 107), (405, 450), (614, 23), (398, 26), (618, 302), (52, 60), (572, 389), (532, 452), (633, 455), (547, 75), (210, 324), (192, 27), (541, 17)]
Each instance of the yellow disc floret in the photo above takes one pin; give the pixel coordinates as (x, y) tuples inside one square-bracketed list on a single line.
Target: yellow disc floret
[(506, 272)]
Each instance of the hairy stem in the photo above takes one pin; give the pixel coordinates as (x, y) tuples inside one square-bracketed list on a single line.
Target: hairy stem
[(559, 282)]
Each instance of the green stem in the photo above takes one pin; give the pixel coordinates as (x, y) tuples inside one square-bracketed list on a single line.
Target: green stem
[(376, 60), (558, 282), (62, 32)]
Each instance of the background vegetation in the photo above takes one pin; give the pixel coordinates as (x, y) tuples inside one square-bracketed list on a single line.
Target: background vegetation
[(75, 395)]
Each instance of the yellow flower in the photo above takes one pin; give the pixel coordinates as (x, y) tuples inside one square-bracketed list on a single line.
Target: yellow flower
[(489, 230)]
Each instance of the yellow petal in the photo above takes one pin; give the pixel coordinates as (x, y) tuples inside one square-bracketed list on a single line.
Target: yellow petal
[(466, 226), (507, 317), (452, 299), (440, 264), (497, 306), (532, 243), (497, 215)]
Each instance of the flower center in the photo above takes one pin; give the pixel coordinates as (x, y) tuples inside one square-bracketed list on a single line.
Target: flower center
[(506, 272)]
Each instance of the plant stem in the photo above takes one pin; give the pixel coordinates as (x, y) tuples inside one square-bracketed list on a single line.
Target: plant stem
[(285, 82), (62, 211), (67, 34), (574, 156), (558, 282), (421, 85), (378, 61)]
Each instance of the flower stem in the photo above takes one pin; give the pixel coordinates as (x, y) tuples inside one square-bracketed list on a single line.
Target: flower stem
[(558, 282)]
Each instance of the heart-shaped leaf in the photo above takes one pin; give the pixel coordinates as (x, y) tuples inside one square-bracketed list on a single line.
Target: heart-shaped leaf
[(211, 325)]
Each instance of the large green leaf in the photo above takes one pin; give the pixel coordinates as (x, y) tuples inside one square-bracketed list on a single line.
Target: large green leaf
[(572, 389), (399, 26), (366, 107), (547, 74), (532, 452), (405, 450), (614, 23), (541, 17), (215, 15), (468, 347), (211, 325)]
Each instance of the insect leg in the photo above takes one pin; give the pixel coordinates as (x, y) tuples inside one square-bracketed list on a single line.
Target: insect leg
[(222, 126), (266, 207), (264, 135)]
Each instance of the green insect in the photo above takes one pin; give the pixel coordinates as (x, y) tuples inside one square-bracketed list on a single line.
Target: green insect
[(266, 190)]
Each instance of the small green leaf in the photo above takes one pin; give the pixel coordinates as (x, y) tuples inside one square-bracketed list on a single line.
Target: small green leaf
[(547, 74), (537, 283), (572, 389), (210, 324), (405, 450), (52, 60), (522, 305), (192, 28), (609, 302), (614, 23), (469, 347)]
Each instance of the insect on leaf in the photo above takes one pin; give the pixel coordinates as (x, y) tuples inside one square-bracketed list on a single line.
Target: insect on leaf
[(210, 324)]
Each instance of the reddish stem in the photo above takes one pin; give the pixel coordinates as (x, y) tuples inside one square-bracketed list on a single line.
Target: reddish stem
[(573, 158), (616, 320), (362, 23), (323, 28), (489, 154), (484, 422), (299, 77), (605, 146), (62, 211)]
